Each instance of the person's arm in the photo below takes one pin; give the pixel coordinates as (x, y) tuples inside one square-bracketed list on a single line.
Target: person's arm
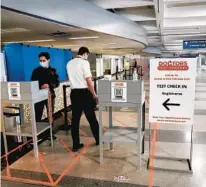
[(90, 85), (88, 78), (35, 77), (54, 79)]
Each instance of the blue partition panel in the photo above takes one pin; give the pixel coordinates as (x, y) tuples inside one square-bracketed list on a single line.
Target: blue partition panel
[(23, 59), (14, 60)]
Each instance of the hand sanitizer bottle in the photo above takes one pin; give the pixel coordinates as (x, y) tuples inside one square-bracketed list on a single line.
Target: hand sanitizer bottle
[(135, 76)]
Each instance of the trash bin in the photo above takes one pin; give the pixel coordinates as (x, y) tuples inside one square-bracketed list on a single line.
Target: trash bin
[(12, 120)]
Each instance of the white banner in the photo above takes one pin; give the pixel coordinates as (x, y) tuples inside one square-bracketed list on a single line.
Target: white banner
[(172, 90)]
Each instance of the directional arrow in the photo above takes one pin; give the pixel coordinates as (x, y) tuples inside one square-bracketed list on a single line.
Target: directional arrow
[(166, 104)]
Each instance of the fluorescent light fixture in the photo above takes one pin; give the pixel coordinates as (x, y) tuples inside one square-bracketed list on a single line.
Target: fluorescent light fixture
[(12, 30), (30, 41), (109, 44), (69, 45), (83, 37)]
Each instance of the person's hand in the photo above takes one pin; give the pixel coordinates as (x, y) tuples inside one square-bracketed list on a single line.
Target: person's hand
[(96, 98), (44, 86)]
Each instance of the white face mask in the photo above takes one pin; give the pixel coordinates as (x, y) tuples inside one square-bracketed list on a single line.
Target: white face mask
[(44, 64)]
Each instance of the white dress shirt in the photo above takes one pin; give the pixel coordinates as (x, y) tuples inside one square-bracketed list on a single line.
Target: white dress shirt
[(78, 70)]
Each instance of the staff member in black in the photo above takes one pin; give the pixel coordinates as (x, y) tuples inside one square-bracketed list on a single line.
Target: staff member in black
[(83, 96), (48, 79)]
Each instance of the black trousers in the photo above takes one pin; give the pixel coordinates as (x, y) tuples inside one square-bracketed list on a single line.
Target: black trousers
[(39, 109), (82, 101)]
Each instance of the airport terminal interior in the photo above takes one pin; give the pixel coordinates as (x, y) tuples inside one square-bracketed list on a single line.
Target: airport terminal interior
[(148, 64)]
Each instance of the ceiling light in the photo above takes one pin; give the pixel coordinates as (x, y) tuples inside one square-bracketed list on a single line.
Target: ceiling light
[(30, 41), (12, 30), (69, 45), (109, 44), (83, 37)]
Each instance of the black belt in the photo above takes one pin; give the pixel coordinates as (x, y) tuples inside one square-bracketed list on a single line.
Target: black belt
[(79, 89)]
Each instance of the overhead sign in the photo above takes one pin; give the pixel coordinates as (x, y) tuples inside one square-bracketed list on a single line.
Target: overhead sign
[(194, 44), (14, 91), (188, 55), (119, 92), (172, 90)]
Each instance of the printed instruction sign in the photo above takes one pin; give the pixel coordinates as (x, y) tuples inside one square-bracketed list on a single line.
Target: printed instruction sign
[(14, 91), (119, 92), (172, 90)]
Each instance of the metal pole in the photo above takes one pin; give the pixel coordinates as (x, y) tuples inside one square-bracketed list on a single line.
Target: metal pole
[(139, 135), (22, 121), (110, 125), (50, 117), (143, 128), (95, 85), (191, 148), (34, 131), (65, 105), (100, 134), (4, 132)]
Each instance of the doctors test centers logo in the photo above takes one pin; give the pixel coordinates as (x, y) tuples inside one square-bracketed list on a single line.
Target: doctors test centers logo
[(121, 178), (173, 65)]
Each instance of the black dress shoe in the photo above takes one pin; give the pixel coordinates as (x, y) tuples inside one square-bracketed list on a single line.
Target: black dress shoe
[(75, 149), (97, 141)]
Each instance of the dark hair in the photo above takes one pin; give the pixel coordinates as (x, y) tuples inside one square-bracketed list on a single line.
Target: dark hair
[(83, 50), (45, 54)]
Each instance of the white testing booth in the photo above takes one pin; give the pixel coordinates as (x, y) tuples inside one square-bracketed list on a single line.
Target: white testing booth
[(19, 94)]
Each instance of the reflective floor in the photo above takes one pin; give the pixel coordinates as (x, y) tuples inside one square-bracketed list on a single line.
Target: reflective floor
[(171, 140)]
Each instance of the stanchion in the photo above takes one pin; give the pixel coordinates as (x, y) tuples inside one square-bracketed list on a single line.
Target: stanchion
[(50, 117)]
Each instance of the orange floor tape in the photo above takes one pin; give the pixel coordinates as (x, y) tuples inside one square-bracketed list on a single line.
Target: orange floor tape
[(51, 181), (69, 167), (66, 147), (13, 150), (121, 122), (45, 168), (151, 171)]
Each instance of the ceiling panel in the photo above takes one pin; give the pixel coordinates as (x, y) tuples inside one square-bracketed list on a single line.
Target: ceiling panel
[(138, 14), (29, 30), (113, 4)]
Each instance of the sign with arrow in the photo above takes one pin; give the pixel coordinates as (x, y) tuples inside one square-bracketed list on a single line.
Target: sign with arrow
[(166, 104), (172, 90)]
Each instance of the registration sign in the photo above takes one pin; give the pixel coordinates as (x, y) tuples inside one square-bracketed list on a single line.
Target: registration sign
[(172, 90), (14, 91), (118, 91)]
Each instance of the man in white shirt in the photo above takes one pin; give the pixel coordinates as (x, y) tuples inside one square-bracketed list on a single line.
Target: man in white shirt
[(83, 96)]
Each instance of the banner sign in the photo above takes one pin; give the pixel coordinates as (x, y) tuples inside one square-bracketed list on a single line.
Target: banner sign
[(172, 90), (194, 44)]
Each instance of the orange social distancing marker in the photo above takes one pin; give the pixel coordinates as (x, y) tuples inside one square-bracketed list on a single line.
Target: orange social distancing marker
[(67, 148), (83, 133), (28, 181), (13, 150), (105, 129), (121, 122), (45, 168), (69, 167), (151, 166), (51, 181)]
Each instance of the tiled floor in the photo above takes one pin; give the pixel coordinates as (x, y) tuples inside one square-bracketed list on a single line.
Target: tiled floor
[(172, 140)]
